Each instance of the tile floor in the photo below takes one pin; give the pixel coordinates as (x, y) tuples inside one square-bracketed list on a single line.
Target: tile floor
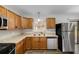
[(43, 52), (50, 51)]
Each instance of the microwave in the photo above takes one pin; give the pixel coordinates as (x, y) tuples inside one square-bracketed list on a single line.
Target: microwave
[(3, 23)]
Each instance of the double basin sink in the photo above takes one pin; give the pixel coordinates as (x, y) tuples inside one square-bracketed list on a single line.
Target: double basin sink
[(39, 34)]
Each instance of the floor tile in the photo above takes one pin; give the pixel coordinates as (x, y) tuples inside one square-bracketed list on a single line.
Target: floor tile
[(43, 52)]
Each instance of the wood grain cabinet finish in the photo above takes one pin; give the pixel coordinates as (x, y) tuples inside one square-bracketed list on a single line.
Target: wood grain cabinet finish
[(35, 42), (20, 47), (18, 22), (39, 43), (43, 43), (27, 23), (3, 11), (28, 43), (24, 23), (50, 22), (31, 43), (14, 20), (11, 20)]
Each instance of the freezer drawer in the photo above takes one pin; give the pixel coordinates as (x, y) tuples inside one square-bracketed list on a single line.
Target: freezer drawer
[(52, 43)]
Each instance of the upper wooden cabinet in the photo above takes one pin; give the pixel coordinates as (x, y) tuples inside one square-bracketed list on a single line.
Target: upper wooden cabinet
[(27, 23), (50, 22), (30, 22), (3, 11), (14, 21), (18, 21), (24, 23), (11, 20)]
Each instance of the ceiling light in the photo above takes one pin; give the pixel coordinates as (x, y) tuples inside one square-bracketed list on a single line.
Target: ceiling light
[(38, 15)]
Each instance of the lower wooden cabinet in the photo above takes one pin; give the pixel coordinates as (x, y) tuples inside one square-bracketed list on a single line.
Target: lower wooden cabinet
[(28, 43), (31, 43), (35, 43), (39, 43), (20, 47), (43, 43)]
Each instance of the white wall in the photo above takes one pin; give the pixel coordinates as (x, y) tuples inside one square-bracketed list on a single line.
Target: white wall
[(64, 17)]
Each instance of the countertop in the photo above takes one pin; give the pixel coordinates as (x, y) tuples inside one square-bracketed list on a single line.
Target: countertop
[(18, 38)]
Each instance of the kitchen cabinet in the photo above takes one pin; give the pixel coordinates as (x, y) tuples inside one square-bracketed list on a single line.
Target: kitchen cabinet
[(20, 47), (27, 23), (18, 21), (11, 20), (3, 11), (35, 43), (24, 45), (43, 43), (50, 22), (28, 43), (39, 43), (24, 23), (14, 20)]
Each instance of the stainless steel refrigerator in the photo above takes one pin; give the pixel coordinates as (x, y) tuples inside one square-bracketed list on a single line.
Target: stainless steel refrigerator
[(67, 33), (77, 32)]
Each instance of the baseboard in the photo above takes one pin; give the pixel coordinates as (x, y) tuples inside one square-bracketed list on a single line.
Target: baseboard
[(42, 49)]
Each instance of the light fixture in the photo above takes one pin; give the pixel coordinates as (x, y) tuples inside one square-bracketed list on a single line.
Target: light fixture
[(38, 15)]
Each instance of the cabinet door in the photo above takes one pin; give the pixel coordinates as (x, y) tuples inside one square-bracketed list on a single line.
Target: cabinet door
[(43, 43), (27, 23), (24, 23), (18, 21), (19, 48), (50, 23), (30, 21), (28, 43), (2, 11), (11, 20), (35, 43)]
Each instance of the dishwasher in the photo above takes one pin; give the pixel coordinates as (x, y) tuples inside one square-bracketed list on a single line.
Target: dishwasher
[(52, 43)]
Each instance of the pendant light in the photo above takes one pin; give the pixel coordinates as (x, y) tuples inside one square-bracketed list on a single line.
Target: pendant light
[(38, 15)]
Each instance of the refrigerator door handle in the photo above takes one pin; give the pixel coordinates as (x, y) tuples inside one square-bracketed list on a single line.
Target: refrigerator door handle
[(62, 37), (70, 26)]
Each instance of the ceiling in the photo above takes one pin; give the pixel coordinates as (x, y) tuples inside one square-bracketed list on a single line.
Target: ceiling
[(45, 10)]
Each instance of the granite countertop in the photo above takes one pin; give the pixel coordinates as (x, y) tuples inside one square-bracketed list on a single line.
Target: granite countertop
[(18, 38)]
